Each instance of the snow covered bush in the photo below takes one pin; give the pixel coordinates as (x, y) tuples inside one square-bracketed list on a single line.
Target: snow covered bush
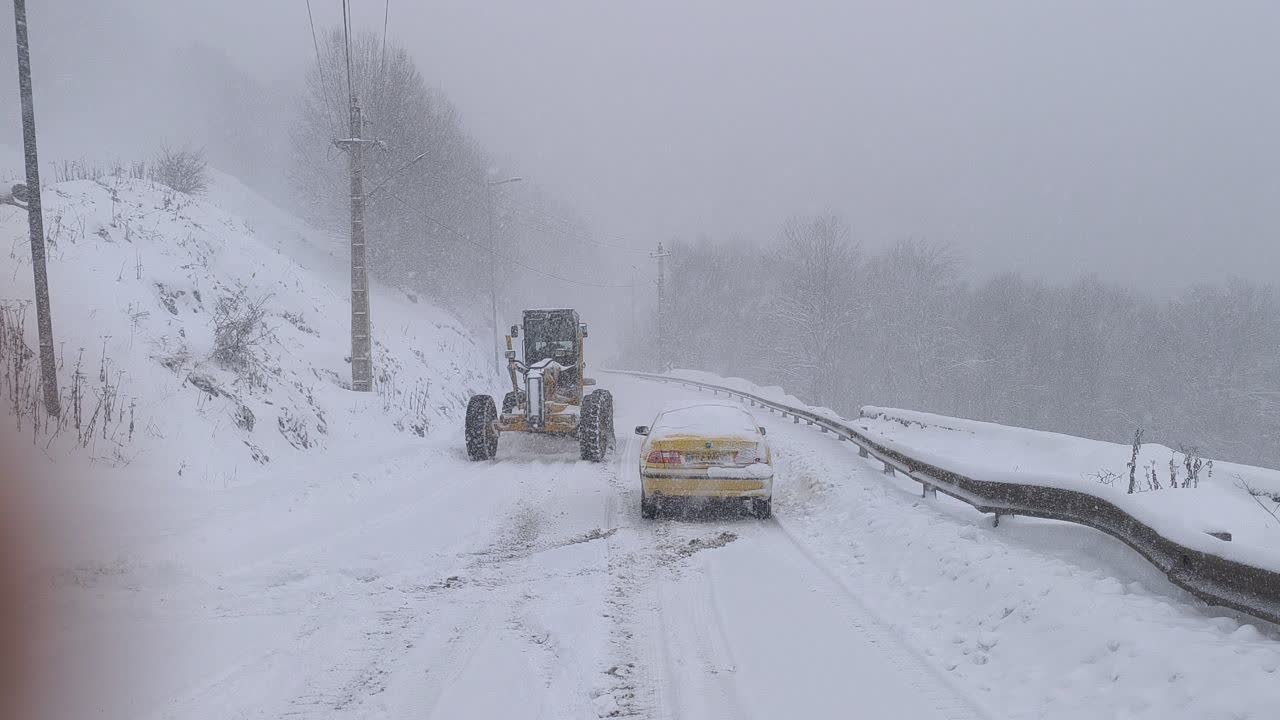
[(186, 170), (240, 332)]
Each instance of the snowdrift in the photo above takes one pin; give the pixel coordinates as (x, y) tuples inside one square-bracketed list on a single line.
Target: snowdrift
[(206, 340), (1218, 502)]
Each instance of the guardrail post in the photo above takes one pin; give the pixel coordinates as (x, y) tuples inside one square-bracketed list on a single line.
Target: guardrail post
[(927, 490), (888, 469), (795, 419), (862, 452)]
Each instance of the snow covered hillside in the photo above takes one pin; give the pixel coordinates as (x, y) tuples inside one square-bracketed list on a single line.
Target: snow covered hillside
[(205, 341)]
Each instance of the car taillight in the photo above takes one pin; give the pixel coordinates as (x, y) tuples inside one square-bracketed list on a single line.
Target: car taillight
[(750, 456), (665, 457)]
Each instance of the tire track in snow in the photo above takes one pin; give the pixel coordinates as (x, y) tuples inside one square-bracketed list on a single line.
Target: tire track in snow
[(631, 689), (921, 673)]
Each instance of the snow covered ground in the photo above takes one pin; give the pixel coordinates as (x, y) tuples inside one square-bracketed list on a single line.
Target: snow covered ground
[(376, 573), (404, 581), (410, 582)]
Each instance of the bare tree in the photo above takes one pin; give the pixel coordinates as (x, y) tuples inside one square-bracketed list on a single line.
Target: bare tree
[(817, 304)]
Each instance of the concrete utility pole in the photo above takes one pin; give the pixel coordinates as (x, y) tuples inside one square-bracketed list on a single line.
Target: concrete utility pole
[(493, 272), (635, 280), (664, 360), (361, 325), (35, 215)]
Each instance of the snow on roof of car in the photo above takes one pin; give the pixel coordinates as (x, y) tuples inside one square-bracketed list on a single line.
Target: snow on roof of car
[(705, 419)]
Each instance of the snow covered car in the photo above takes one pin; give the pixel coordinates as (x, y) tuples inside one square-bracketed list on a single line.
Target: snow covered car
[(707, 450)]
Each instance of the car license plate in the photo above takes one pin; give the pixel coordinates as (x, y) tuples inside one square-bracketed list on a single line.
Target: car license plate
[(708, 457)]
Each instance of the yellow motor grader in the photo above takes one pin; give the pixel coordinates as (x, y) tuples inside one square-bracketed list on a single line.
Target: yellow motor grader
[(552, 400)]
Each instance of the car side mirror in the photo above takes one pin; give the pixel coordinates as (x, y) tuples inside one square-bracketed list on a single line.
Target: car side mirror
[(515, 331), (762, 430), (584, 329), (642, 429)]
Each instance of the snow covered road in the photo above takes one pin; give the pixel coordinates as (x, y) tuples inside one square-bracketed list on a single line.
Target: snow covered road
[(408, 582)]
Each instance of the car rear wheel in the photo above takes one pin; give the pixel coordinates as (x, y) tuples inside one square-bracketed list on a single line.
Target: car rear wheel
[(648, 508)]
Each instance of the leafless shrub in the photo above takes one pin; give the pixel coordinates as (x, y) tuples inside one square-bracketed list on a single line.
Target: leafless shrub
[(85, 169), (17, 364), (93, 412), (82, 169), (240, 333), (1258, 496), (1133, 461), (1105, 477), (1194, 464), (185, 170), (293, 429)]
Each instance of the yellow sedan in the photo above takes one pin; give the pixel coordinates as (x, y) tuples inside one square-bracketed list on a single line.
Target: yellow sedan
[(705, 450)]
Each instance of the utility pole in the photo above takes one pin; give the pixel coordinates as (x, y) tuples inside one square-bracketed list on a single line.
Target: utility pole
[(361, 325), (489, 185), (664, 361), (35, 215), (635, 280)]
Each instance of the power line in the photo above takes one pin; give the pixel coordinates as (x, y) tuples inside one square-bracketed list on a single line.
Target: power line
[(324, 81), (315, 43), (545, 222), (538, 271), (382, 62), (550, 224), (554, 224), (386, 15)]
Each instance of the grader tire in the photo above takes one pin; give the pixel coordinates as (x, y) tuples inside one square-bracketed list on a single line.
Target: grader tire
[(595, 426), (482, 431), (512, 400)]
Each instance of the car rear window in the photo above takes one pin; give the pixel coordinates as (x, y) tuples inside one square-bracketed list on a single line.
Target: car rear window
[(705, 420)]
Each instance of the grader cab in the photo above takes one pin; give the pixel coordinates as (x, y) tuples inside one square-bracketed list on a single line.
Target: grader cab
[(548, 391)]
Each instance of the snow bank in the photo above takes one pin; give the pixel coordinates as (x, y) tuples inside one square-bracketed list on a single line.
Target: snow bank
[(1186, 515), (772, 393), (139, 275)]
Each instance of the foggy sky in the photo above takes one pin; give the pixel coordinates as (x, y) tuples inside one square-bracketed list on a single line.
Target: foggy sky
[(1137, 140)]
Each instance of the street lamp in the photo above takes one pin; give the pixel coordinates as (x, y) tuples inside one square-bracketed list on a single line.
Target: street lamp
[(635, 280), (493, 271)]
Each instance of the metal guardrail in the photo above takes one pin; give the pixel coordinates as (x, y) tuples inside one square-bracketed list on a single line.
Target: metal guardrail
[(1212, 578)]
